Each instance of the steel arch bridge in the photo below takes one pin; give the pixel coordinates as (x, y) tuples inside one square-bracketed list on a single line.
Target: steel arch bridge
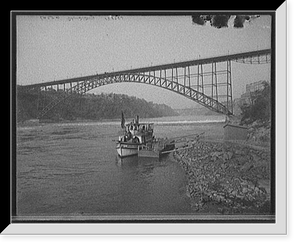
[(207, 81)]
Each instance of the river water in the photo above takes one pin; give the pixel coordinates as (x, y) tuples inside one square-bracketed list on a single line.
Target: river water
[(72, 169)]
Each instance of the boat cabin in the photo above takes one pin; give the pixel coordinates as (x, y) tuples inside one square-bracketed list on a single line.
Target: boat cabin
[(138, 133), (139, 128)]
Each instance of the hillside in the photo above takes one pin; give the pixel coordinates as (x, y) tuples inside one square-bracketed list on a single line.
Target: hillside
[(88, 106)]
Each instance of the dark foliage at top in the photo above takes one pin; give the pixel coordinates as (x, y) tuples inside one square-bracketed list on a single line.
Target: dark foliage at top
[(221, 21)]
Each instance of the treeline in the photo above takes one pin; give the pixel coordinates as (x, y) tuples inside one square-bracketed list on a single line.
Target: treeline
[(88, 106)]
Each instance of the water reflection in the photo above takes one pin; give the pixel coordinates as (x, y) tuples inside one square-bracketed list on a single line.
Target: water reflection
[(147, 185), (127, 162), (136, 161), (135, 177), (136, 168)]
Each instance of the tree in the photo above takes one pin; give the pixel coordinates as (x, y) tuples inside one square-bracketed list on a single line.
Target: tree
[(221, 21), (89, 106)]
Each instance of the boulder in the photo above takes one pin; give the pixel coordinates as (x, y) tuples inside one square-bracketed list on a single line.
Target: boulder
[(246, 167), (224, 166), (245, 190), (230, 155), (264, 184), (242, 159)]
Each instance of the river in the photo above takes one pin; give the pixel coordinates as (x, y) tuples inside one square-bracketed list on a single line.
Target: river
[(72, 169)]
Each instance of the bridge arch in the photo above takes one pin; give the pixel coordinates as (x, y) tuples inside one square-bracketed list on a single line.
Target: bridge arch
[(180, 79), (91, 83)]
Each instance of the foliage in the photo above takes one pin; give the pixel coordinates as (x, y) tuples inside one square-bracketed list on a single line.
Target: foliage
[(89, 106), (221, 21), (259, 108)]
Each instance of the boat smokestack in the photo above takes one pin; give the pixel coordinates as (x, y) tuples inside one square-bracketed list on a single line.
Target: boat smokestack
[(122, 121)]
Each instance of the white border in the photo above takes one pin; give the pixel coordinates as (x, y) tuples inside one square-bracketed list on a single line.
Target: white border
[(280, 227), (281, 117)]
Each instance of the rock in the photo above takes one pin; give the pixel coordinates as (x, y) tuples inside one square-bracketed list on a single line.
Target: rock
[(251, 185), (229, 174), (239, 152), (242, 160), (245, 190), (246, 167), (256, 158), (227, 156), (240, 196), (224, 166), (215, 155), (231, 164), (195, 206), (230, 155), (233, 193), (220, 198), (264, 184)]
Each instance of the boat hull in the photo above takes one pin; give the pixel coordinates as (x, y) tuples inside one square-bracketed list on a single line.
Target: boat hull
[(127, 149), (143, 153)]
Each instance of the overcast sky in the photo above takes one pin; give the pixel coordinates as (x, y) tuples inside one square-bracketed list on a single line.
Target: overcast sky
[(58, 47)]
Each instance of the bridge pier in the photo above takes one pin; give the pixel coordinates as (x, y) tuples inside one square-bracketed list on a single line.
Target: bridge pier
[(229, 87)]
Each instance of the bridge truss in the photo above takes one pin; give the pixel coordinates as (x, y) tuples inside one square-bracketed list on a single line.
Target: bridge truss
[(206, 81)]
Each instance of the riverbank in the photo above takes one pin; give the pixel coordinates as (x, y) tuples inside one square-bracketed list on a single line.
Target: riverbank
[(226, 177), (158, 121), (37, 122)]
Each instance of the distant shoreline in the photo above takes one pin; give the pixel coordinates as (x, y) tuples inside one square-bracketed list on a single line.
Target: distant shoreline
[(36, 122)]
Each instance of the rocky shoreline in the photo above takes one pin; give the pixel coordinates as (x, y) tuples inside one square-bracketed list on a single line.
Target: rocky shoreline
[(226, 177)]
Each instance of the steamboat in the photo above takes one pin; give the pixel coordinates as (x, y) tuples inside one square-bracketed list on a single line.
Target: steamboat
[(135, 136)]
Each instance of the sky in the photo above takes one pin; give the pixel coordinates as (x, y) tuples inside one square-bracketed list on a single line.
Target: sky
[(59, 47)]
